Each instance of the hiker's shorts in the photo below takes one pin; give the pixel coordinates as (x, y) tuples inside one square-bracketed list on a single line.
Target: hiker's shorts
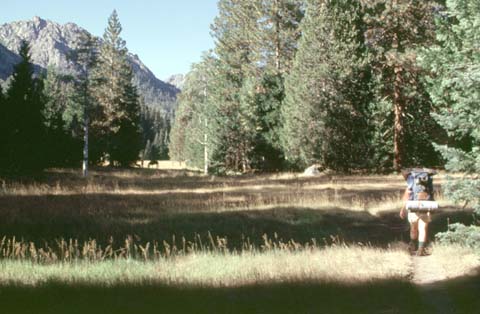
[(414, 217)]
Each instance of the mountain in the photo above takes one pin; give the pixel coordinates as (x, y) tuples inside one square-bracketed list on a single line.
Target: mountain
[(7, 60), (50, 43), (176, 80)]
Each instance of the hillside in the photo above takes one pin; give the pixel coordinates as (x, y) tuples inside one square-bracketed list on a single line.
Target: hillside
[(50, 43)]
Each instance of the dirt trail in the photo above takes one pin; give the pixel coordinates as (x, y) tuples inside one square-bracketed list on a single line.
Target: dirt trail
[(428, 275)]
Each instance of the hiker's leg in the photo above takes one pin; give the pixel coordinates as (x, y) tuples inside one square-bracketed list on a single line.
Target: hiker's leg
[(422, 230), (422, 236), (414, 231), (413, 220)]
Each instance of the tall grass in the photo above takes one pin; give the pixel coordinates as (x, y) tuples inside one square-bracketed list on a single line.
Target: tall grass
[(214, 269), (72, 250)]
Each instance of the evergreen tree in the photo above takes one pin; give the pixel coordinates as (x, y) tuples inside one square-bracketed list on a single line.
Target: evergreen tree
[(3, 129), (127, 141), (229, 110), (278, 33), (118, 106), (155, 126), (64, 148), (234, 30), (396, 30), (196, 133), (112, 74), (267, 100), (85, 56), (327, 92), (24, 122), (455, 89), (276, 43)]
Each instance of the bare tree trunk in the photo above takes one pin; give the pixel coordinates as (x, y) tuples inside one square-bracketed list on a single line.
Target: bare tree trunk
[(85, 146), (277, 37), (205, 148), (205, 137), (399, 108)]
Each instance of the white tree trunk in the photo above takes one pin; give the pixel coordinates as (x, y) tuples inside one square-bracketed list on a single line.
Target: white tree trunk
[(205, 149), (85, 147)]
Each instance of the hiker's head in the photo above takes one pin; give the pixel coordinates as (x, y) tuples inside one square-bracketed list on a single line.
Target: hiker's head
[(421, 178)]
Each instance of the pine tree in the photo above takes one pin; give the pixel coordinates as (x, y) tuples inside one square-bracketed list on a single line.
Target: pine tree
[(155, 124), (396, 30), (24, 125), (234, 30), (278, 33), (197, 130), (112, 72), (127, 141), (3, 129), (228, 116), (118, 105), (455, 89), (85, 56), (59, 96), (275, 46), (327, 95)]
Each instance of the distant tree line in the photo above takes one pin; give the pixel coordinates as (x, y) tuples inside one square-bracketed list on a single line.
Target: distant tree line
[(47, 120), (340, 83)]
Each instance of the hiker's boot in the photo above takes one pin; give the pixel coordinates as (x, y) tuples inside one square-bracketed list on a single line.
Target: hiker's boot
[(422, 249), (421, 252), (412, 246)]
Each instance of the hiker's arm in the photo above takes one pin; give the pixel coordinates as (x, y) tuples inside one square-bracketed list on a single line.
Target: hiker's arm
[(403, 211)]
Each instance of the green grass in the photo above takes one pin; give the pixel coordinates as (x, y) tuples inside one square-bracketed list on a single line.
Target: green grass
[(335, 264), (333, 280)]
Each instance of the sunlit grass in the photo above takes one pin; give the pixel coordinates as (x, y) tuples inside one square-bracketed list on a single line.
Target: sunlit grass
[(339, 264), (456, 261), (357, 193)]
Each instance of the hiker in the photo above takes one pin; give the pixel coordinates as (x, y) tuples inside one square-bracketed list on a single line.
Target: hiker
[(418, 194)]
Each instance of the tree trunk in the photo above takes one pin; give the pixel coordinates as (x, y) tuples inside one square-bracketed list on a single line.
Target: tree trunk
[(277, 37), (399, 108), (85, 146), (205, 149)]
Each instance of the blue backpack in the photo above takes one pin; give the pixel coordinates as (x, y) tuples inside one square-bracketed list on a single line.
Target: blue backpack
[(420, 185)]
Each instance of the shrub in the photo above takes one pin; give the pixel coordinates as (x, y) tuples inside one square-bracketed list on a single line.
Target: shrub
[(458, 233)]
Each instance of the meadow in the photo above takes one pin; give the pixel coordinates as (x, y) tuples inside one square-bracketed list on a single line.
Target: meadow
[(174, 241)]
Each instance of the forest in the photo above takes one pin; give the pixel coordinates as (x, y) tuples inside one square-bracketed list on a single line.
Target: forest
[(347, 85), (95, 115)]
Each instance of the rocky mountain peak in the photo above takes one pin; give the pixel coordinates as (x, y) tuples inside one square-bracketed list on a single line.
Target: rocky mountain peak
[(50, 43), (176, 80)]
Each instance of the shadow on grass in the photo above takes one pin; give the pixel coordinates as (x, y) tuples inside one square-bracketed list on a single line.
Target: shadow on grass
[(45, 218), (454, 295), (147, 180), (464, 292), (375, 297), (38, 218), (234, 214)]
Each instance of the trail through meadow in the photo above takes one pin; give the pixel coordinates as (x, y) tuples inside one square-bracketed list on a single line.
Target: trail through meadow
[(427, 275)]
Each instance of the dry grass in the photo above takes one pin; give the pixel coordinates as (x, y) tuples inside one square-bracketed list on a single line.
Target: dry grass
[(338, 264), (187, 243), (456, 261), (362, 193), (156, 204)]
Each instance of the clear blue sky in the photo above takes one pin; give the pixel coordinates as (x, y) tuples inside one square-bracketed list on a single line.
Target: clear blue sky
[(167, 35)]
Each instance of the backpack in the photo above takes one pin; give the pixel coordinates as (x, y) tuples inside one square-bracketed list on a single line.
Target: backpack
[(420, 187)]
